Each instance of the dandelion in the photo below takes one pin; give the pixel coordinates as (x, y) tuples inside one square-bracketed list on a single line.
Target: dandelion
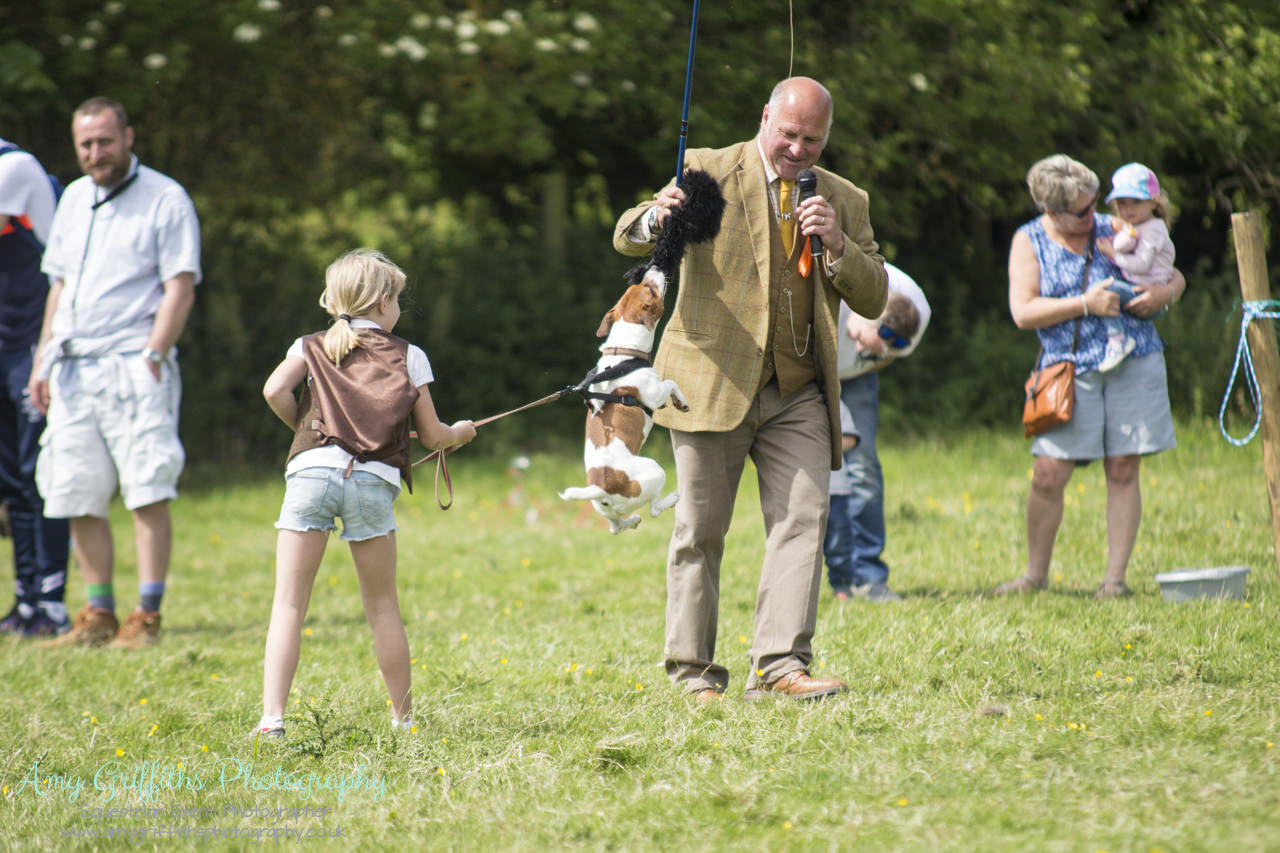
[(902, 801), (1208, 712), (1128, 679), (525, 562), (215, 539), (153, 729), (463, 638), (504, 660), (333, 580), (214, 676), (1270, 744), (204, 748), (247, 33), (119, 753), (1038, 717), (786, 824), (93, 719), (519, 604), (742, 638), (1098, 674), (440, 770), (457, 573), (142, 701), (639, 686)]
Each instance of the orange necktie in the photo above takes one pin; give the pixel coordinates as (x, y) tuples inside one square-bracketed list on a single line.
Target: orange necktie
[(786, 216)]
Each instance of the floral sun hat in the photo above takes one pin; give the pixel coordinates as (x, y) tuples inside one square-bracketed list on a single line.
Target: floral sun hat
[(1134, 180)]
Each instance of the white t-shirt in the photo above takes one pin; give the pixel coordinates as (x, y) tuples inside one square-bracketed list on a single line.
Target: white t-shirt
[(333, 456), (849, 361), (114, 258), (25, 191)]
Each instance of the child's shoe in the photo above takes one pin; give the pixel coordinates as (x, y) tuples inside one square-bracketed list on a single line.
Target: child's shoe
[(1117, 348), (402, 725), (268, 728)]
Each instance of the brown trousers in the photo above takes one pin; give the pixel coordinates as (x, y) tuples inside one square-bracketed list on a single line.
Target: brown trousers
[(788, 440)]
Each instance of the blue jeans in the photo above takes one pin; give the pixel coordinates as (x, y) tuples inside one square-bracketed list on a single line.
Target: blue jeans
[(1125, 291), (40, 544), (855, 527)]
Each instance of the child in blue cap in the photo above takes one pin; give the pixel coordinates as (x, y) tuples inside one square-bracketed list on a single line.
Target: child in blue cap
[(1141, 247)]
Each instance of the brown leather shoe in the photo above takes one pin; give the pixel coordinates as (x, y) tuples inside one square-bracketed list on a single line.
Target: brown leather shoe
[(141, 628), (708, 695), (798, 685), (93, 626)]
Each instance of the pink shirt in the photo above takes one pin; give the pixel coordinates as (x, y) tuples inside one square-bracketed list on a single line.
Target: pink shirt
[(1144, 251)]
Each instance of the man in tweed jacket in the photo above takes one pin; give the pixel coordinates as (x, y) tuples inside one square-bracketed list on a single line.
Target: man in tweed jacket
[(752, 344)]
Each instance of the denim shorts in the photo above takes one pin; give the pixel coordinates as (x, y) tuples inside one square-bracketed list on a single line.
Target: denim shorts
[(315, 497)]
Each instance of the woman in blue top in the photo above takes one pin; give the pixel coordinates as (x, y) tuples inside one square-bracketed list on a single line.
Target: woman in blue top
[(1120, 415)]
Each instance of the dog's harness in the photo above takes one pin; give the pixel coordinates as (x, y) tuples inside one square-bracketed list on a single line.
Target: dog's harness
[(638, 360), (622, 368)]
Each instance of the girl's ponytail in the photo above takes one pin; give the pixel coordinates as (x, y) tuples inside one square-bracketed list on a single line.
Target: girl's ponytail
[(354, 285)]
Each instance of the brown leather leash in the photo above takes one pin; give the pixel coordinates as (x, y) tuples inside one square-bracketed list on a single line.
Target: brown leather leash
[(636, 360), (442, 468)]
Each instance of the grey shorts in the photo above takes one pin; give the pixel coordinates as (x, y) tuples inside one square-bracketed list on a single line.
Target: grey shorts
[(1123, 412), (315, 497)]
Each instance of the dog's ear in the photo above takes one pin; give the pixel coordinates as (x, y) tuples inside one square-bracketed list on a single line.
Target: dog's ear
[(607, 323)]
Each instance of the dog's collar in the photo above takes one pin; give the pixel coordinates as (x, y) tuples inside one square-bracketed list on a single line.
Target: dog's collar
[(627, 351)]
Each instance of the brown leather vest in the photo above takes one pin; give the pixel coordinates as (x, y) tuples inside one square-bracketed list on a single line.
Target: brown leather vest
[(787, 356), (364, 405)]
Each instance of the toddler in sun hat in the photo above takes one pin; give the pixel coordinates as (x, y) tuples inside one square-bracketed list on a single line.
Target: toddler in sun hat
[(1141, 247)]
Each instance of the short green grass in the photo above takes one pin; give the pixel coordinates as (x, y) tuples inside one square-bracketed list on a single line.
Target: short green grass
[(545, 721)]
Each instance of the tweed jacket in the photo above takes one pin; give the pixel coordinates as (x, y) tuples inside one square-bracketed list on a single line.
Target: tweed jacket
[(713, 342)]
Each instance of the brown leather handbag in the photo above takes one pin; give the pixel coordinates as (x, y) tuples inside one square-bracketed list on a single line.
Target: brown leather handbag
[(1051, 395)]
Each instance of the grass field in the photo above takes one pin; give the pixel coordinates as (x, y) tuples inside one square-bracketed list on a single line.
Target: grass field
[(545, 721)]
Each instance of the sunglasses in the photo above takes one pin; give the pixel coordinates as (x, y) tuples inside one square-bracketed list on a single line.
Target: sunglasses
[(1084, 211), (895, 340)]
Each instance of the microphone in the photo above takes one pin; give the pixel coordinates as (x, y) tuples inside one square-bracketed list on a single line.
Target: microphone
[(807, 183)]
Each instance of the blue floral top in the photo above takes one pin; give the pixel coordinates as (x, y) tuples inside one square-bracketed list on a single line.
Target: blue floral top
[(1060, 271)]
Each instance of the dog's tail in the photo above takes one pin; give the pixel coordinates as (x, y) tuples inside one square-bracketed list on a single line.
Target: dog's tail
[(695, 221)]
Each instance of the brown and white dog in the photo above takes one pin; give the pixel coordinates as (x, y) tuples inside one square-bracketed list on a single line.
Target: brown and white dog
[(621, 482)]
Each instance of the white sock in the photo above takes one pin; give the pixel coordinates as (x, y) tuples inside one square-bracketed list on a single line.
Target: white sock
[(406, 723), (270, 722)]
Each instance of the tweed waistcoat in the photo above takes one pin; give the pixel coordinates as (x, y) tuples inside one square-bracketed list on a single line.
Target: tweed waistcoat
[(789, 348)]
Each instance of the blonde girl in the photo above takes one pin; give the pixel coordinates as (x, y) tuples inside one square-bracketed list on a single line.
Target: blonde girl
[(360, 387)]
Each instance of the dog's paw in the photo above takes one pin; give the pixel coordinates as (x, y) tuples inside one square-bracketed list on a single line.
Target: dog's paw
[(617, 525), (658, 507), (679, 403)]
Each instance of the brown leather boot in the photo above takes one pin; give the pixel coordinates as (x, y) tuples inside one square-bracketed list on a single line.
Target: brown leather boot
[(93, 626), (141, 628), (798, 685)]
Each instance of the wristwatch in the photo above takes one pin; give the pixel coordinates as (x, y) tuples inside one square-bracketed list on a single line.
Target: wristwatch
[(152, 355)]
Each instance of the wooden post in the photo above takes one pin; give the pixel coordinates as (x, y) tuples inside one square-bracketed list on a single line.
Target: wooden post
[(1254, 287)]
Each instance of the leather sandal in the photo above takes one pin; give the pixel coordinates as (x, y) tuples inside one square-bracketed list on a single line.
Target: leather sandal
[(1019, 585), (1113, 589)]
